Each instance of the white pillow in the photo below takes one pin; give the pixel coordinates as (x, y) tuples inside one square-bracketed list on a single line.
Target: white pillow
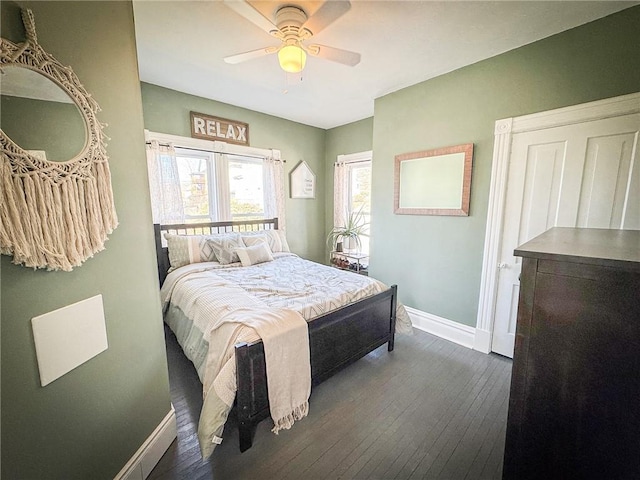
[(251, 240), (255, 254), (186, 249), (283, 240), (224, 246), (276, 239)]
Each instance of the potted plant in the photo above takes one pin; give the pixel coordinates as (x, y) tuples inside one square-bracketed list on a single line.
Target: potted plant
[(349, 234)]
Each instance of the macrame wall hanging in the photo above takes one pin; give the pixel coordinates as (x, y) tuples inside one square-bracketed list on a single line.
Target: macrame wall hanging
[(53, 215)]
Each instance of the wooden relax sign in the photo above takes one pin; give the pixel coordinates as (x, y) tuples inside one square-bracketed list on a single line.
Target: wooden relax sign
[(216, 128)]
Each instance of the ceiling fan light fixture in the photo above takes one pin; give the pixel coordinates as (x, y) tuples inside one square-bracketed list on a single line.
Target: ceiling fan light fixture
[(292, 58)]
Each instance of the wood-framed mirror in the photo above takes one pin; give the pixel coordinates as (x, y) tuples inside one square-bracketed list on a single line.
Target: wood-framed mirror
[(56, 203), (434, 182)]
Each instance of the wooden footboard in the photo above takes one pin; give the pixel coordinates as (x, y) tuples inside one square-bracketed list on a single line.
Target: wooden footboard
[(336, 340)]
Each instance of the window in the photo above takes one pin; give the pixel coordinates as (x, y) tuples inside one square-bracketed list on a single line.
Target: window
[(216, 187), (195, 181), (359, 195), (197, 178), (246, 188), (352, 190), (360, 187)]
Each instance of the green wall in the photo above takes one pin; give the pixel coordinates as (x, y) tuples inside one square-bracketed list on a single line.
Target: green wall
[(351, 138), (437, 261), (167, 111), (91, 421)]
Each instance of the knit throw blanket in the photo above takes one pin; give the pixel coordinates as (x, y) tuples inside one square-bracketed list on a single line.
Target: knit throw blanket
[(285, 336)]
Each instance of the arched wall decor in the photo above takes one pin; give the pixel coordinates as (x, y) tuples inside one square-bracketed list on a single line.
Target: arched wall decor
[(54, 214)]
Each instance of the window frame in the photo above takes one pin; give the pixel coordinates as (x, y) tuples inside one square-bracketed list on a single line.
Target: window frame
[(212, 185), (351, 167), (351, 162), (211, 148), (255, 161)]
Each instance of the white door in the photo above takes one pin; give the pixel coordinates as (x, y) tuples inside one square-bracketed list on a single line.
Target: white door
[(581, 175)]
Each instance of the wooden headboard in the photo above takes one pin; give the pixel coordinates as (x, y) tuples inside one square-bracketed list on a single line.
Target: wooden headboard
[(162, 252)]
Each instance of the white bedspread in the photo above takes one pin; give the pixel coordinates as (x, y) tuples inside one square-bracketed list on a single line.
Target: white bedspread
[(210, 294)]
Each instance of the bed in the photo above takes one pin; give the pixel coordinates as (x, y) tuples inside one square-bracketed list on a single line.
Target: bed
[(337, 336)]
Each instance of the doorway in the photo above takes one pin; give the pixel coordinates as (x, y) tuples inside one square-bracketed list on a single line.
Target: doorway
[(572, 167)]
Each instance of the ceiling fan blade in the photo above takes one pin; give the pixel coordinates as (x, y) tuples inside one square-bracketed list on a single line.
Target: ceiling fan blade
[(243, 57), (245, 9), (345, 57), (328, 13)]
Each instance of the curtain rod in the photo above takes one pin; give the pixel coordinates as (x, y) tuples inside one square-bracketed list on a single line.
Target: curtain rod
[(213, 151), (352, 162)]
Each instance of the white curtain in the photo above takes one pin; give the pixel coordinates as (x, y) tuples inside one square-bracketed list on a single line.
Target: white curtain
[(274, 195), (164, 184), (340, 189)]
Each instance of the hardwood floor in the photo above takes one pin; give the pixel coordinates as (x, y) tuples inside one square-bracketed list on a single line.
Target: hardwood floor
[(429, 410)]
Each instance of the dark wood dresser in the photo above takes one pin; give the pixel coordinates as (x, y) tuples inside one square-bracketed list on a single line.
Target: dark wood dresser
[(574, 409)]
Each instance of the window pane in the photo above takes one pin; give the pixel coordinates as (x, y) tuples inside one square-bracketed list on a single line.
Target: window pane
[(361, 189), (194, 184), (360, 197), (246, 188)]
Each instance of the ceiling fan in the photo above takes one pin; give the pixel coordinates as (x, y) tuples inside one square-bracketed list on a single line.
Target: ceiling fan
[(293, 27)]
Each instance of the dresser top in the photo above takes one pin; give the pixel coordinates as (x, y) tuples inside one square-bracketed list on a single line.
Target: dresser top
[(593, 246)]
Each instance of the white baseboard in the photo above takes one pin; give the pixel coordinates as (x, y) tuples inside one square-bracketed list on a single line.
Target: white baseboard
[(441, 327), (140, 465), (482, 341)]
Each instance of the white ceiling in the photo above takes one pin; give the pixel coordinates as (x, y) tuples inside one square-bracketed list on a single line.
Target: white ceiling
[(181, 45)]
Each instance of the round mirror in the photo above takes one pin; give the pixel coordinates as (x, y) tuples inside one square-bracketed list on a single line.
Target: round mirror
[(54, 215), (39, 116)]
